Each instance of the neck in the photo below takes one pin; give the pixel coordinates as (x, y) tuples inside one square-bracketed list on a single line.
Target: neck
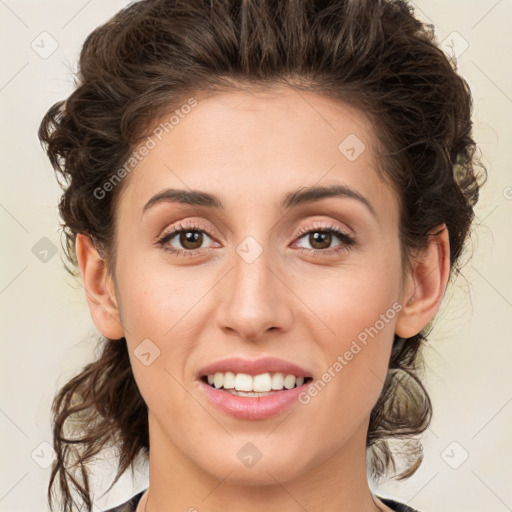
[(337, 483)]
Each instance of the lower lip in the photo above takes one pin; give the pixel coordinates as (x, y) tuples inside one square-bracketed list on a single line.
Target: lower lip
[(253, 408)]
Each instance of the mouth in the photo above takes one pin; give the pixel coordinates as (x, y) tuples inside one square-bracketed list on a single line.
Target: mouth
[(250, 404), (253, 389), (246, 385)]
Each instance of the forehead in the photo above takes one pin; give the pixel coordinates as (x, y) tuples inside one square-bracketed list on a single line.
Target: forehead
[(259, 144)]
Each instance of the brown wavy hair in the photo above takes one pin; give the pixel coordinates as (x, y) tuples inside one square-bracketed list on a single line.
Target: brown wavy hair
[(144, 62)]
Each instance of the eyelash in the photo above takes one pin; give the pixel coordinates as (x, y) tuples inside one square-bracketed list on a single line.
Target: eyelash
[(347, 240)]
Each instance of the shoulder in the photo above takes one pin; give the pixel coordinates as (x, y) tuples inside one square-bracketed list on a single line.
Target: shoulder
[(396, 506), (128, 506)]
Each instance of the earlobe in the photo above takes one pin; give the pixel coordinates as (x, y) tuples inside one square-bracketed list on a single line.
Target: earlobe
[(425, 285), (99, 288)]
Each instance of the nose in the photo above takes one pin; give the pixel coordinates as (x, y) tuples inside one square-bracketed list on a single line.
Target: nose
[(254, 298)]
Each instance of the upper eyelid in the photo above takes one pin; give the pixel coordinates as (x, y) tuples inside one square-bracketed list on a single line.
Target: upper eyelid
[(185, 224), (194, 224), (325, 225)]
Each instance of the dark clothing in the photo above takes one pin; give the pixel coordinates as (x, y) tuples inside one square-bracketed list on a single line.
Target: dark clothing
[(131, 505)]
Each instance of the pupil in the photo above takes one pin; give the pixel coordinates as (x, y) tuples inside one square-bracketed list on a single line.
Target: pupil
[(324, 239), (191, 239)]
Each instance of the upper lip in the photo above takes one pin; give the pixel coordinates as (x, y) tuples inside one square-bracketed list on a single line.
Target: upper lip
[(254, 367)]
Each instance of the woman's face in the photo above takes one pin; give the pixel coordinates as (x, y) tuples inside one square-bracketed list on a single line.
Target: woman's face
[(260, 274)]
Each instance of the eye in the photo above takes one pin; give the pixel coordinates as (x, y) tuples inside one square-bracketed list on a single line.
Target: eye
[(320, 239), (188, 240), (184, 240)]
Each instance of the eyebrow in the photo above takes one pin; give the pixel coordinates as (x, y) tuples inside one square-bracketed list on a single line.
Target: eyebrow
[(304, 195)]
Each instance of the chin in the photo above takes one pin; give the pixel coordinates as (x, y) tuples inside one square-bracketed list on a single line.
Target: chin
[(241, 463)]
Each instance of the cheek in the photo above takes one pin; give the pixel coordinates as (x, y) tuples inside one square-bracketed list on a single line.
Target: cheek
[(343, 301), (156, 299), (355, 370), (354, 331), (161, 312)]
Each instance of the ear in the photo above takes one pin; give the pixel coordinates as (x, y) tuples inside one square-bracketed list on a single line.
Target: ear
[(425, 284), (99, 288)]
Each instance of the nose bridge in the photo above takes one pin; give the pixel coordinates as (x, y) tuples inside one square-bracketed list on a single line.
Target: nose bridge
[(252, 298)]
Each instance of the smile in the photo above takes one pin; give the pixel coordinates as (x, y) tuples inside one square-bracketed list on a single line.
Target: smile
[(263, 384), (257, 396)]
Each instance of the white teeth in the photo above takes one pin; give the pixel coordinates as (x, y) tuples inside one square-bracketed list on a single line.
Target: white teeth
[(243, 382), (262, 382), (218, 379), (289, 381), (277, 381), (229, 380), (257, 385), (248, 393)]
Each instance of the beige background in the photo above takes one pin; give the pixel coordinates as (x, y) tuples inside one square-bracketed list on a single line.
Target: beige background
[(45, 320)]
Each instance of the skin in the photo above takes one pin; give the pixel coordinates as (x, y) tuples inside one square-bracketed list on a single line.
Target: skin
[(249, 149)]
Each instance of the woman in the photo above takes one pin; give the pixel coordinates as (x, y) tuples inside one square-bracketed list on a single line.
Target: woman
[(265, 202)]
